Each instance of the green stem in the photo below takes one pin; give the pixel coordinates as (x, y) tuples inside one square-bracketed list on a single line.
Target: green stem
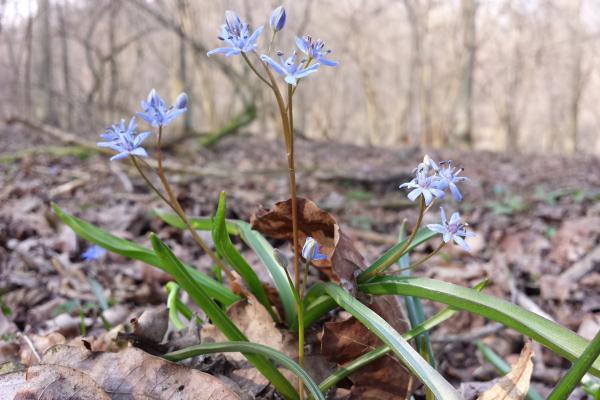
[(262, 78), (569, 382), (424, 259), (390, 261), (174, 204)]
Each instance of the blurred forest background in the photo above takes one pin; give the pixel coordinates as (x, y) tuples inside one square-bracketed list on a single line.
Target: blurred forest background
[(516, 75)]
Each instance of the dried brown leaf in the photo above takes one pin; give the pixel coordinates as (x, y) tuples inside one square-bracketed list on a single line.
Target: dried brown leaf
[(385, 378), (343, 260), (515, 384), (59, 382), (137, 374), (256, 323), (40, 344)]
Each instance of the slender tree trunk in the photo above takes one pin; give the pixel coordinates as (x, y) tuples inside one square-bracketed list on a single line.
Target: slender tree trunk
[(410, 117), (113, 90), (464, 110), (576, 80), (66, 69), (184, 84), (47, 112), (28, 62)]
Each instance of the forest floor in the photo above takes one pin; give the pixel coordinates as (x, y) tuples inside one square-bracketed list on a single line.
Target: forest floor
[(537, 220)]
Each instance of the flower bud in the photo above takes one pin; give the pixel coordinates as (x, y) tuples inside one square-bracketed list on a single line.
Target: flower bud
[(277, 20), (181, 102), (310, 250), (281, 259)]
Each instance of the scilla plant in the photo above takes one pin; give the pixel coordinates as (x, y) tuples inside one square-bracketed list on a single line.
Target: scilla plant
[(303, 306)]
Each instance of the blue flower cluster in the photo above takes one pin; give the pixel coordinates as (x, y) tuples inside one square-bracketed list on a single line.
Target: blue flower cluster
[(236, 34), (430, 181), (126, 142)]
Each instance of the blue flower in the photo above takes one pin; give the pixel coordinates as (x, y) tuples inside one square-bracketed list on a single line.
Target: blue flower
[(424, 184), (452, 230), (277, 20), (93, 253), (314, 49), (237, 35), (124, 140), (447, 177), (156, 112), (310, 250), (289, 69)]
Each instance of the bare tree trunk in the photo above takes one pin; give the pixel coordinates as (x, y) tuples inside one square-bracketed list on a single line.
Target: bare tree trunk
[(576, 80), (464, 110), (46, 108), (28, 62), (184, 84), (66, 70), (409, 120), (113, 90)]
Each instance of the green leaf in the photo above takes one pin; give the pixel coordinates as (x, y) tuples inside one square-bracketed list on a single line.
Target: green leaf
[(373, 355), (265, 252), (393, 254), (123, 247), (569, 382), (219, 318), (413, 305), (401, 348), (503, 368), (228, 251), (198, 223), (249, 348), (550, 334), (259, 245)]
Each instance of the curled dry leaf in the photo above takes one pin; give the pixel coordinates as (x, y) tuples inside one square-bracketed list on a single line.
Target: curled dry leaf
[(515, 384), (59, 382), (343, 260), (130, 373), (344, 341)]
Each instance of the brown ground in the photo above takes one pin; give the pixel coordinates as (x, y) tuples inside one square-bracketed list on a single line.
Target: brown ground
[(537, 220)]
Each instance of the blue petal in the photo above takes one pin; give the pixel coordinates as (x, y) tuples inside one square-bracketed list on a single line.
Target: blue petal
[(274, 64), (428, 197), (291, 79), (412, 196), (443, 215), (120, 156), (441, 229), (140, 138), (219, 50), (460, 241), (327, 63), (302, 45), (139, 152), (455, 192), (454, 219)]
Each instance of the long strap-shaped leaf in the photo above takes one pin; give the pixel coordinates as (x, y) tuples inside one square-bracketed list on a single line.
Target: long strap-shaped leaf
[(394, 253), (228, 251), (219, 318), (401, 348), (569, 382), (550, 334), (249, 348), (265, 252), (259, 245), (123, 247)]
